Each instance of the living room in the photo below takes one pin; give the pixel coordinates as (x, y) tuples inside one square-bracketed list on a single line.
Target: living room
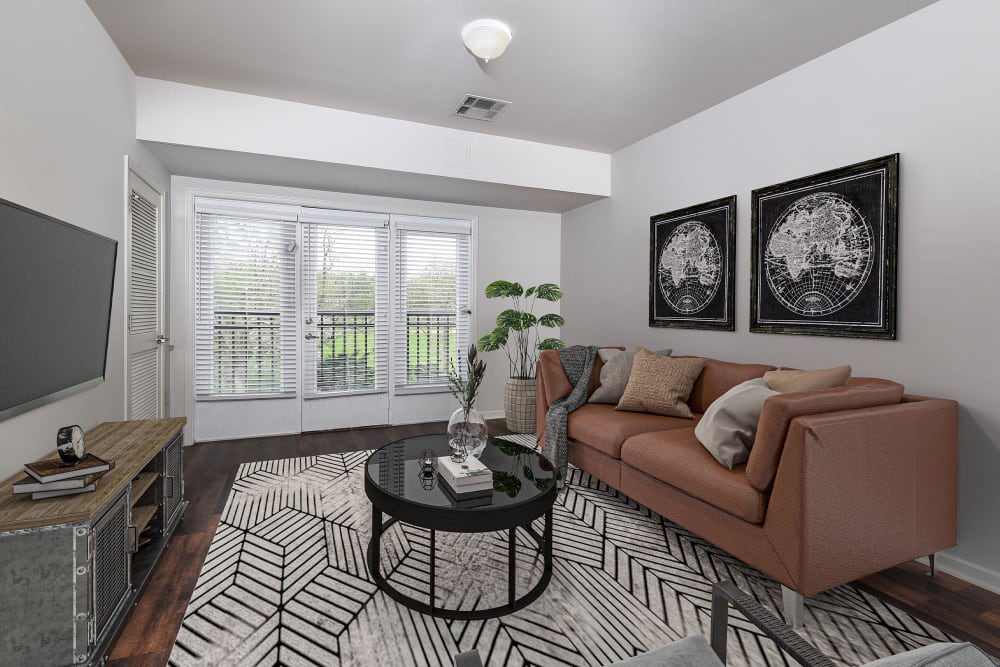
[(304, 110)]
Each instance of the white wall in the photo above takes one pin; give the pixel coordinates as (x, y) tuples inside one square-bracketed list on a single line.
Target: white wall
[(175, 113), (926, 87), (510, 244), (67, 119)]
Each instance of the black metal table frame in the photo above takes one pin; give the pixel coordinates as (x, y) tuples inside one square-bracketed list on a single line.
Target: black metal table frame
[(514, 603), (508, 517)]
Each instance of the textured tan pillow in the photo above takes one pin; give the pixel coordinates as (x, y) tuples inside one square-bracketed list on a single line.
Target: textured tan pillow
[(660, 385), (788, 381)]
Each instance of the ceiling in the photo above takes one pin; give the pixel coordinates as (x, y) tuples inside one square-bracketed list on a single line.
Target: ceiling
[(593, 74)]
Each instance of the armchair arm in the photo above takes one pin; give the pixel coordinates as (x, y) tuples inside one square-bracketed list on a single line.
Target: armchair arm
[(726, 593), (882, 478)]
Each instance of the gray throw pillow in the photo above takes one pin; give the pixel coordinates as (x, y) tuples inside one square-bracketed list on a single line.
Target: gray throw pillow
[(614, 374), (729, 425)]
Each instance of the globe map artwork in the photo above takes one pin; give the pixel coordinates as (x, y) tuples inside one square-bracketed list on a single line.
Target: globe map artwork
[(819, 254), (690, 267)]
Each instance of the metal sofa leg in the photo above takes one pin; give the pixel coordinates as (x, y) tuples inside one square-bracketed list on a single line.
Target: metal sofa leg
[(795, 607), (930, 560)]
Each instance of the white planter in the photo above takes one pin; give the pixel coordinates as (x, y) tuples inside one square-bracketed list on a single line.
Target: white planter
[(519, 405)]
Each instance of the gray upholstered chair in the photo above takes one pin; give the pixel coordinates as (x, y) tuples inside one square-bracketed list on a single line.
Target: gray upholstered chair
[(694, 651)]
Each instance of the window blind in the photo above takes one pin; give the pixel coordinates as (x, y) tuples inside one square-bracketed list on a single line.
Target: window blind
[(345, 289), (245, 341), (432, 319)]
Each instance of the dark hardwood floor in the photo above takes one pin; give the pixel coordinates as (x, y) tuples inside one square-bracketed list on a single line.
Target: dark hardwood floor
[(147, 636)]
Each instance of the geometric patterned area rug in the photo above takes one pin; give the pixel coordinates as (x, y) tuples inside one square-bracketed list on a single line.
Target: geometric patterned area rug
[(285, 583)]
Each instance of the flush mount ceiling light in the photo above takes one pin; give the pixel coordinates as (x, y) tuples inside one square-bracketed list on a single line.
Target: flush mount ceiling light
[(486, 38)]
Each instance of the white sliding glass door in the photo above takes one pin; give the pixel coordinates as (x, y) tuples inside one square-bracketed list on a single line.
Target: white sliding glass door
[(310, 319), (345, 310), (246, 324)]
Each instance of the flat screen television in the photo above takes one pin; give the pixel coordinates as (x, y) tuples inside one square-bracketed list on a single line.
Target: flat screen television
[(56, 287)]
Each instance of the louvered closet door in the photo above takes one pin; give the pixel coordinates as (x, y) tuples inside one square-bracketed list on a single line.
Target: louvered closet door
[(146, 335), (345, 319)]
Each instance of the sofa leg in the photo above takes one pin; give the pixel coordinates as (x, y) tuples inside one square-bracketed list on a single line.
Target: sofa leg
[(930, 560), (795, 607)]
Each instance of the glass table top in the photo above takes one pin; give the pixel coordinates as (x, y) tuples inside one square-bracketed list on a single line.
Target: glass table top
[(520, 474)]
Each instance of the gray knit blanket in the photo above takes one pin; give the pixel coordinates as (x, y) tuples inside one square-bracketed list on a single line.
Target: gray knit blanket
[(578, 362)]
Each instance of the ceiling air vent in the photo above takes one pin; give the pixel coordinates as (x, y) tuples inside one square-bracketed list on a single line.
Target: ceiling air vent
[(479, 108)]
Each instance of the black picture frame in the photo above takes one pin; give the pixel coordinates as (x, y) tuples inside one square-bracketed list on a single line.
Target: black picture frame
[(844, 283), (687, 301)]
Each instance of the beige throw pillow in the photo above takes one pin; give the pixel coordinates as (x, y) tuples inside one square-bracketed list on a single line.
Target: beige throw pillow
[(788, 381), (615, 373), (660, 385), (729, 425)]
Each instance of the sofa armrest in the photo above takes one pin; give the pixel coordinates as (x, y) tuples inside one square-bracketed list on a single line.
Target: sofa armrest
[(778, 412), (862, 490), (541, 405)]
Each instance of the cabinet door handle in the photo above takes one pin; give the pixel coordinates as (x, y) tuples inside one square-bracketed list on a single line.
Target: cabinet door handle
[(135, 538), (169, 478)]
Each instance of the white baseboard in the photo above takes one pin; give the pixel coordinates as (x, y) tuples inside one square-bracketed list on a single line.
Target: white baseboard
[(966, 571)]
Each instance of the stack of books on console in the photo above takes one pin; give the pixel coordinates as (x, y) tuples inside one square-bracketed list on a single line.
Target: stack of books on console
[(51, 478), (470, 483)]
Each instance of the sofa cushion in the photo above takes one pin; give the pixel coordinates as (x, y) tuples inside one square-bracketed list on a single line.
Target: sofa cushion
[(678, 459), (788, 381), (615, 370), (660, 385), (729, 426), (602, 427), (718, 377), (779, 411)]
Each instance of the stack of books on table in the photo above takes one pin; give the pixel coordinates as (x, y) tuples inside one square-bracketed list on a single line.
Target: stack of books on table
[(51, 478), (470, 483)]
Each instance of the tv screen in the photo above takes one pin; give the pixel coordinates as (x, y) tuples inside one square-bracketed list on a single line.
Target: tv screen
[(56, 285)]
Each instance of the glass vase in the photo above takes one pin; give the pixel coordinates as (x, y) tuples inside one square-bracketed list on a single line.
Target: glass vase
[(469, 428)]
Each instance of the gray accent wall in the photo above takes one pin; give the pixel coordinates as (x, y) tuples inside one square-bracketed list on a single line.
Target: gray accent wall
[(925, 87), (67, 121)]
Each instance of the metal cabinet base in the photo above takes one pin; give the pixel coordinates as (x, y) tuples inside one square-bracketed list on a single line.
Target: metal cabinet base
[(65, 589)]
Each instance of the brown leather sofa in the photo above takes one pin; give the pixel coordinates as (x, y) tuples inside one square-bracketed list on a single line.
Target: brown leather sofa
[(840, 483)]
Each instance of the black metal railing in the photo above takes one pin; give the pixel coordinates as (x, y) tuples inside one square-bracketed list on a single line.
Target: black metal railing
[(431, 341), (248, 350), (345, 350)]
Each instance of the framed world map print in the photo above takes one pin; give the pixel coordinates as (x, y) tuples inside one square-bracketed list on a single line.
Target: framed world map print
[(824, 253), (691, 256)]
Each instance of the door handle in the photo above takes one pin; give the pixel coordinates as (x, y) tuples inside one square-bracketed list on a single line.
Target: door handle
[(311, 336), (161, 339)]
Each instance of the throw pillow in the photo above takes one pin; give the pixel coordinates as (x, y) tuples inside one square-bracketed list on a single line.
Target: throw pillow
[(614, 374), (660, 385), (788, 381), (729, 425)]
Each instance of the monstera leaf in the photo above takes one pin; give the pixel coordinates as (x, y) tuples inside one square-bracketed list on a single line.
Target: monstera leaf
[(506, 482), (551, 320), (516, 331), (501, 288), (548, 292), (551, 344)]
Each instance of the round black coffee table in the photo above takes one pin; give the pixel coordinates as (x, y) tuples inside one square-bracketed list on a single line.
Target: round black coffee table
[(524, 489)]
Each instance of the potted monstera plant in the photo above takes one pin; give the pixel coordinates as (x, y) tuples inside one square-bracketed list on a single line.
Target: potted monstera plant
[(518, 334)]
